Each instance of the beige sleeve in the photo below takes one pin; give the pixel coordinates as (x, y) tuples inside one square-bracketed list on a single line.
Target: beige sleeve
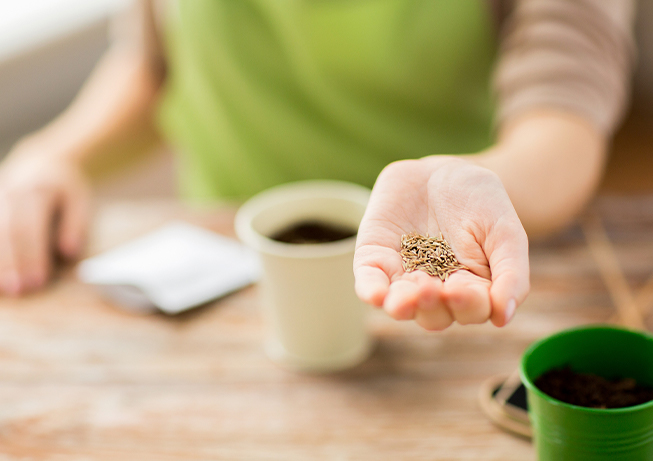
[(574, 55), (138, 27)]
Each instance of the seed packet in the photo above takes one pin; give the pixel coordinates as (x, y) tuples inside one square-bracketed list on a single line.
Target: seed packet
[(172, 269)]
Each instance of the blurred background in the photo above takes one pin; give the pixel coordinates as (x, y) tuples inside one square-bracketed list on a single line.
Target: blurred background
[(48, 48)]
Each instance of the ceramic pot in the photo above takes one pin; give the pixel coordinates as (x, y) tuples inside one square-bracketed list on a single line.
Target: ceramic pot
[(314, 319)]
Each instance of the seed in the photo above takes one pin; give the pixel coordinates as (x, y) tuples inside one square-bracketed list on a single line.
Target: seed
[(432, 255)]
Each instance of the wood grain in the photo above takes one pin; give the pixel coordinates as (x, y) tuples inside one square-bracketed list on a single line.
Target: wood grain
[(83, 380)]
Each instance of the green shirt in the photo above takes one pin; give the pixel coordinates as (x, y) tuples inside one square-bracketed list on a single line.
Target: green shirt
[(262, 92)]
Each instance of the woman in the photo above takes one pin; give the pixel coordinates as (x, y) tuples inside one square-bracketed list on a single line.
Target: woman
[(259, 92)]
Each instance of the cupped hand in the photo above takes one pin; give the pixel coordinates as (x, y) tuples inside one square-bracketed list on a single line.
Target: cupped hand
[(44, 205), (468, 204)]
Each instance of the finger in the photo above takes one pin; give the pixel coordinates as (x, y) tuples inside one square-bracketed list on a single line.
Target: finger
[(374, 267), (429, 296), (73, 224), (9, 278), (432, 313), (504, 304), (31, 239), (434, 320), (372, 285), (467, 298), (402, 300), (508, 258)]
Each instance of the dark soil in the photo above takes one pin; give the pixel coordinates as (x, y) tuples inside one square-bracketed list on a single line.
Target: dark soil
[(313, 232), (592, 391)]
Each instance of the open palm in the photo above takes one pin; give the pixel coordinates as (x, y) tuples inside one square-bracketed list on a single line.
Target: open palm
[(470, 207)]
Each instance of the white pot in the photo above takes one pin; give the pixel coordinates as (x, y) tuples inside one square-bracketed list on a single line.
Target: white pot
[(315, 320)]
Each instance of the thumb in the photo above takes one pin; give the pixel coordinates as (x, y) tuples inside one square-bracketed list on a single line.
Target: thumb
[(507, 252)]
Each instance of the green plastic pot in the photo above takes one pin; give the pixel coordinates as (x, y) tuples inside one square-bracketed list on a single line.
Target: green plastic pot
[(564, 432)]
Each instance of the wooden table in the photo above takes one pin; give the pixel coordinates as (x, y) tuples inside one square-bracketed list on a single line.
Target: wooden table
[(83, 380)]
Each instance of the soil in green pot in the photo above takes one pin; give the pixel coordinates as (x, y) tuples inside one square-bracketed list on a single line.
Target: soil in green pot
[(592, 391)]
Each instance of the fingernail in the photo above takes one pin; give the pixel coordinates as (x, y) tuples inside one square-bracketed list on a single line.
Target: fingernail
[(510, 310)]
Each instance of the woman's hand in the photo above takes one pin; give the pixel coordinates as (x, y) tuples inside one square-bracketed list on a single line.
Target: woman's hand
[(470, 206), (44, 204)]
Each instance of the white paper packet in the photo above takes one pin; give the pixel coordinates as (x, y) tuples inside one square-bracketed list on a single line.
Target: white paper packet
[(174, 268)]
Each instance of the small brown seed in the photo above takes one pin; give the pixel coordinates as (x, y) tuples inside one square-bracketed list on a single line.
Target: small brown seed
[(432, 255)]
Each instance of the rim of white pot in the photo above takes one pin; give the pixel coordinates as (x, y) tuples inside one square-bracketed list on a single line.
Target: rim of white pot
[(292, 192)]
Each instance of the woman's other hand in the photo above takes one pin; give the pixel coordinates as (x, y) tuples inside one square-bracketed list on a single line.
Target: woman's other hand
[(44, 206)]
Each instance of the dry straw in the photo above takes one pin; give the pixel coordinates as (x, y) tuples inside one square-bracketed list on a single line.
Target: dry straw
[(432, 255)]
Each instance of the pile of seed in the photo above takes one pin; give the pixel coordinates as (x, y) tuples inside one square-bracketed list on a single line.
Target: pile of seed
[(432, 255)]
